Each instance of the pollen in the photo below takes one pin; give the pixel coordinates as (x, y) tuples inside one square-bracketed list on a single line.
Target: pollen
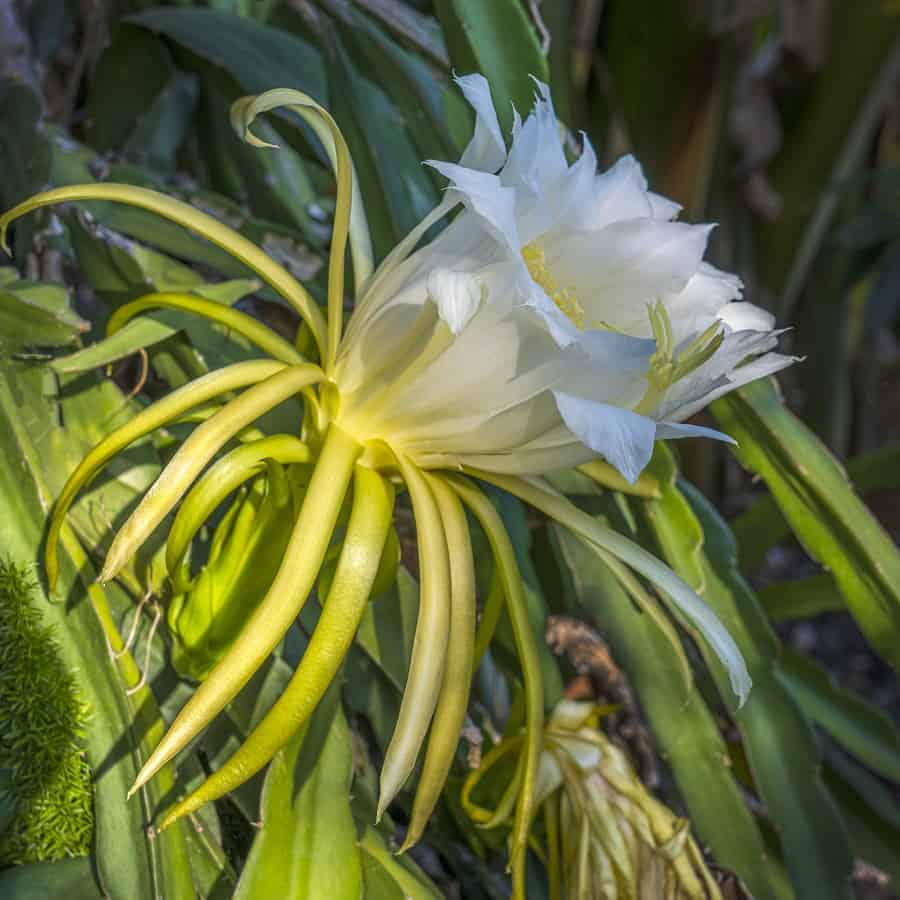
[(565, 299)]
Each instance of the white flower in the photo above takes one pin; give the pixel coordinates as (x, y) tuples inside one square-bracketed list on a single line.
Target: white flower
[(562, 314)]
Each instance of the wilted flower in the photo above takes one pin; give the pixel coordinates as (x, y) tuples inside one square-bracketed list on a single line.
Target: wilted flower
[(604, 835), (561, 315)]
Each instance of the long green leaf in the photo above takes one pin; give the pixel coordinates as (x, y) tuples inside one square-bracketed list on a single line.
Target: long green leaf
[(129, 863), (307, 844), (763, 525), (779, 741), (800, 598), (824, 512), (257, 56), (396, 192), (870, 811), (497, 40), (72, 879), (863, 729)]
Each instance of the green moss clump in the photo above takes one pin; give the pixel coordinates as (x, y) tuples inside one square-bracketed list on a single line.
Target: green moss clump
[(44, 779)]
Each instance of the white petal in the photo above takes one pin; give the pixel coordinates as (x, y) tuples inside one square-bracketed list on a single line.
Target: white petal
[(521, 462), (617, 271), (570, 715), (490, 200), (619, 193), (765, 365), (586, 754), (667, 431), (696, 307), (457, 296), (746, 317), (549, 778), (623, 438), (662, 207), (487, 149), (557, 204), (536, 156)]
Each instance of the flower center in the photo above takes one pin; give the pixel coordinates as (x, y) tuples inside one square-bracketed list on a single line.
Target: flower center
[(565, 299)]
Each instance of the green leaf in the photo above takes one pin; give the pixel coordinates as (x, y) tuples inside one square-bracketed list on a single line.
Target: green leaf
[(686, 729), (822, 130), (498, 40), (257, 56), (69, 878), (381, 866), (826, 515), (869, 810), (109, 267), (36, 315), (407, 80), (388, 627), (664, 113), (307, 844), (129, 863), (396, 192), (131, 74), (801, 598), (779, 741), (860, 727), (147, 330), (763, 525), (275, 184), (24, 153)]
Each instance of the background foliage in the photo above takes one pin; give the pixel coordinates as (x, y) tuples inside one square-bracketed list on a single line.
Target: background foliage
[(778, 120)]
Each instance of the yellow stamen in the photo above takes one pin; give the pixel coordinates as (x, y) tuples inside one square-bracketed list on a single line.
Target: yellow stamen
[(565, 298)]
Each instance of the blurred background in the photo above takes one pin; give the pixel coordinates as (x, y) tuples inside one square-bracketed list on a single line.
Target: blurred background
[(777, 119)]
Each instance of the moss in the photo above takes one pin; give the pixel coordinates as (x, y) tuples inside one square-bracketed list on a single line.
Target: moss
[(47, 782)]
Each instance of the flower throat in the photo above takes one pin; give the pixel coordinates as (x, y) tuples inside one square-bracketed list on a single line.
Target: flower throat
[(565, 299)]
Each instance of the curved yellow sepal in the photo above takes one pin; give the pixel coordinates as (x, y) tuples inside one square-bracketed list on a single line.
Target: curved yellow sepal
[(160, 413), (349, 216), (252, 329), (367, 533), (426, 665), (194, 220), (285, 598), (195, 453)]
